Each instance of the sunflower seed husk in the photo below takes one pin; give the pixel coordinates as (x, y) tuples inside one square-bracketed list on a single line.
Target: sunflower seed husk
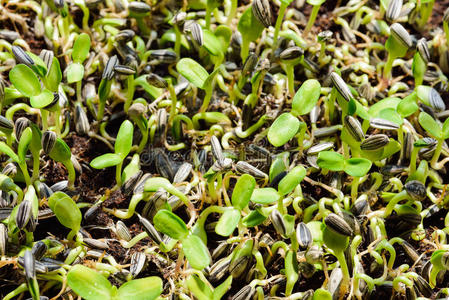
[(6, 125), (82, 125), (435, 100), (278, 222), (179, 18), (149, 228), (20, 125), (47, 58), (23, 214), (422, 287), (423, 50), (354, 128), (291, 53), (246, 293), (410, 251), (182, 173), (164, 56), (303, 235), (59, 3), (39, 249), (138, 260), (325, 35), (137, 110), (315, 114), (217, 151), (138, 189), (97, 244), (416, 190), (48, 141), (222, 165), (407, 148), (122, 231), (157, 81), (219, 269), (124, 70), (29, 265), (21, 56), (401, 35), (139, 7), (129, 184), (238, 266), (246, 168), (250, 64), (314, 150), (125, 35), (221, 249), (341, 86), (338, 224), (375, 142), (9, 35), (195, 31), (90, 214), (393, 10), (380, 123), (108, 72), (164, 165), (3, 239), (360, 207), (326, 131), (262, 11)]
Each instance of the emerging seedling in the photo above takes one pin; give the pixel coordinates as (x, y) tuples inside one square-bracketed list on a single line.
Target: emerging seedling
[(66, 211)]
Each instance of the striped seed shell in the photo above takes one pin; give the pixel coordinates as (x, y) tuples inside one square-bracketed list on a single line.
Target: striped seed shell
[(6, 125), (291, 53), (367, 91), (82, 125), (314, 150), (39, 249), (303, 235), (246, 293), (217, 151), (137, 7), (416, 190), (393, 10), (47, 58), (3, 238), (125, 35), (360, 207), (23, 214), (48, 141), (262, 11), (20, 125), (325, 35), (97, 244), (108, 72), (221, 249), (435, 100), (338, 224), (124, 70), (401, 35), (29, 265), (164, 165), (182, 173), (238, 266), (246, 168), (219, 269), (422, 287), (195, 31), (59, 3), (375, 142), (2, 89), (423, 50), (179, 18), (341, 86), (250, 64), (157, 81), (150, 230), (315, 114), (407, 147), (410, 251), (278, 222), (122, 231), (380, 123), (326, 131), (21, 56), (222, 165), (314, 254), (137, 110), (129, 184), (164, 56), (354, 128), (138, 260)]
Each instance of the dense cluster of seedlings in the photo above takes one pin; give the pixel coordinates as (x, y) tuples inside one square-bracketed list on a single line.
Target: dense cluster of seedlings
[(262, 149)]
